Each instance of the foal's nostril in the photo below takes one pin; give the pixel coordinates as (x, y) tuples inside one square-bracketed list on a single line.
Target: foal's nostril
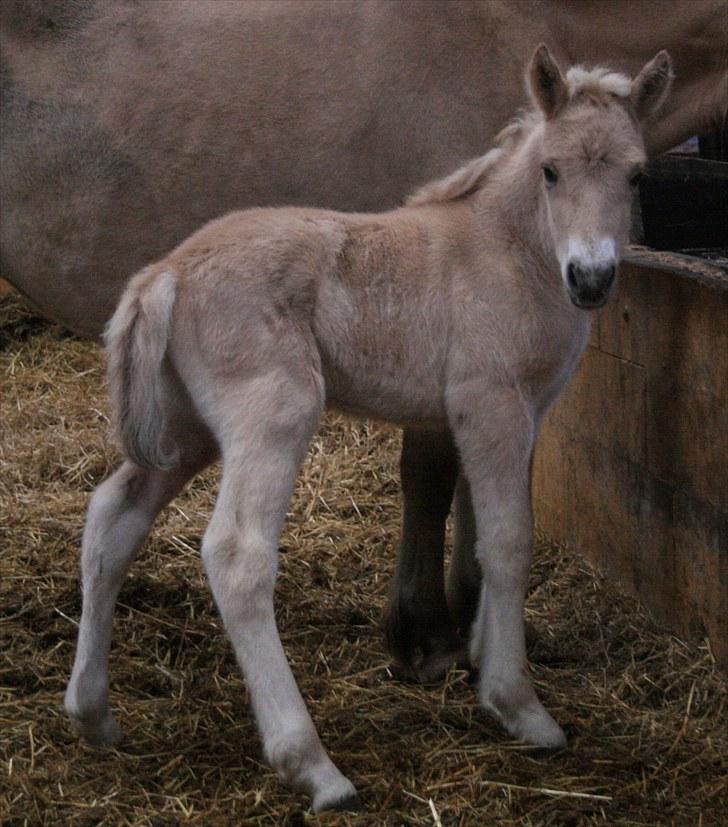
[(580, 277), (571, 273), (589, 285)]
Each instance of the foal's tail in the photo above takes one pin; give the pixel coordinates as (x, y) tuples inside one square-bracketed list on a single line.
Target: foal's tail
[(136, 343)]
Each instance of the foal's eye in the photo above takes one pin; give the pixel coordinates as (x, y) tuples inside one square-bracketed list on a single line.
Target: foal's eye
[(550, 175), (635, 178)]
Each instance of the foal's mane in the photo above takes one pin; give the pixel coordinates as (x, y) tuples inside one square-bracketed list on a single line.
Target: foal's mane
[(598, 86)]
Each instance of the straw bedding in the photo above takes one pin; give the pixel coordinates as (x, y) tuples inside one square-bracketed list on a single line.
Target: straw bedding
[(645, 712)]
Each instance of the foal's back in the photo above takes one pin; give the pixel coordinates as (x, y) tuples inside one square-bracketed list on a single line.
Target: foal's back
[(361, 298)]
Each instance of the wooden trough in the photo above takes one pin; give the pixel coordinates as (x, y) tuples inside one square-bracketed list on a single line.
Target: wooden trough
[(632, 465)]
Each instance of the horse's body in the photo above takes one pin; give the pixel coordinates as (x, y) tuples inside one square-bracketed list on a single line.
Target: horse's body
[(465, 311), (124, 126)]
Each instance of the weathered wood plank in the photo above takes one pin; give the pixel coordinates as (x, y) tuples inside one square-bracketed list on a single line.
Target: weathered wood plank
[(632, 465), (602, 378), (687, 439)]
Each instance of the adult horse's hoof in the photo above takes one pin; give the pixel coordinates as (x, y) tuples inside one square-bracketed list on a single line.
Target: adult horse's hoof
[(431, 666), (424, 647)]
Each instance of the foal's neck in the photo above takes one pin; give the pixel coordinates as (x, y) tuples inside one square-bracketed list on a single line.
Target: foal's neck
[(514, 198)]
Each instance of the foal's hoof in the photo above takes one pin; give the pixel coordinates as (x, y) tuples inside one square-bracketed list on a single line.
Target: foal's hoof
[(351, 803), (530, 723), (343, 797), (99, 732), (540, 730)]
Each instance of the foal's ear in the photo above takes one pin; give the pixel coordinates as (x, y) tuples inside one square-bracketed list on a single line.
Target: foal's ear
[(652, 85), (546, 84)]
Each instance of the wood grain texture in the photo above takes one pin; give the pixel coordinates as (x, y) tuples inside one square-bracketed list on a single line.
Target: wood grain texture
[(632, 464)]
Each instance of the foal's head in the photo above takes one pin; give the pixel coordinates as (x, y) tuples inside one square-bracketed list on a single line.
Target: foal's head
[(591, 159)]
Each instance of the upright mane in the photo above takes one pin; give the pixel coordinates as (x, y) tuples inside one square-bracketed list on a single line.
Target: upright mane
[(472, 175), (598, 85)]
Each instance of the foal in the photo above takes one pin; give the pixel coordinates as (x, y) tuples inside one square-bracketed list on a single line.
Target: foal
[(468, 308)]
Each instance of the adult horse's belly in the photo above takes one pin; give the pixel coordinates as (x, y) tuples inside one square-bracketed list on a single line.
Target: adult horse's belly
[(78, 218), (118, 141)]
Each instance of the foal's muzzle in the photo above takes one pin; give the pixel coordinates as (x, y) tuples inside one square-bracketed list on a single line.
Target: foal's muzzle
[(589, 285)]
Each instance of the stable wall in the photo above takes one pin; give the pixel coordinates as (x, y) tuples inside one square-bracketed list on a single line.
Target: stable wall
[(632, 464)]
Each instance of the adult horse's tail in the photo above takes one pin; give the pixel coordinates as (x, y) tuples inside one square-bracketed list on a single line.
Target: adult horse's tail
[(136, 343)]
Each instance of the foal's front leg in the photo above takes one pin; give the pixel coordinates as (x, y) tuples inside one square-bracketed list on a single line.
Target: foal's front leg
[(495, 445)]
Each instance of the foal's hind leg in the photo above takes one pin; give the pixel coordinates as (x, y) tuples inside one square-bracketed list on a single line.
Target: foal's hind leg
[(263, 443), (495, 448), (418, 627), (120, 514)]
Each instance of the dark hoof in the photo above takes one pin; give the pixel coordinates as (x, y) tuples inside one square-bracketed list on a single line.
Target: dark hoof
[(431, 667), (424, 645)]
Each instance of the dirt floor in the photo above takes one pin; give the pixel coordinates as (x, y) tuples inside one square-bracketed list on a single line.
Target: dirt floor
[(645, 713)]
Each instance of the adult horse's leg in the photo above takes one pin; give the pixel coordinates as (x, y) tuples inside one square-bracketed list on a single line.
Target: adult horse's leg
[(495, 448), (419, 630), (464, 576), (264, 429), (120, 514)]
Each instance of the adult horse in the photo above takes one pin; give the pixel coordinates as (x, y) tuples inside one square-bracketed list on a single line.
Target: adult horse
[(125, 126)]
